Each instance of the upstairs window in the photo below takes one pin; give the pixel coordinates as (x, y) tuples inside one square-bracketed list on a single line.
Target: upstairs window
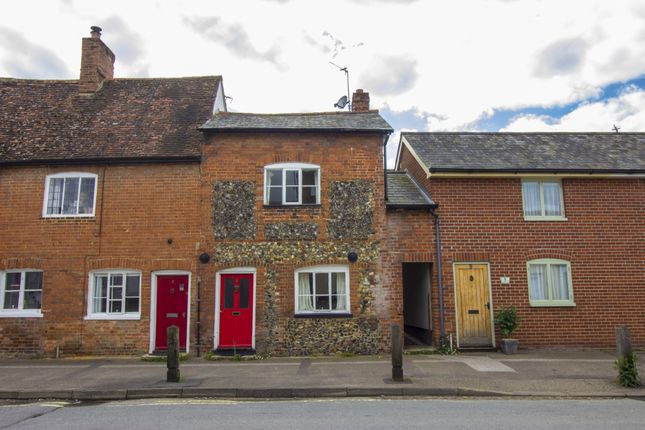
[(542, 200), (70, 195), (291, 184), (114, 294), (322, 289), (21, 292), (550, 283)]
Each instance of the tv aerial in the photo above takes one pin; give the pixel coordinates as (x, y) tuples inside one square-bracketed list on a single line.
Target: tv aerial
[(344, 100)]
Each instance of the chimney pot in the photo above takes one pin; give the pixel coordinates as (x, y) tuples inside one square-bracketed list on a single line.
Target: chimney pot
[(96, 31), (360, 101)]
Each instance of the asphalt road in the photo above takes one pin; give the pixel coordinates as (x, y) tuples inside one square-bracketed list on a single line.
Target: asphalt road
[(329, 413)]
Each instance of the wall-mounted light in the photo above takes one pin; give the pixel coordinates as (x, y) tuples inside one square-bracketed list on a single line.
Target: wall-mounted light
[(352, 256), (204, 257)]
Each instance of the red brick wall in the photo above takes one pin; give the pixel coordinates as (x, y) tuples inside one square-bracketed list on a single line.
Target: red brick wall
[(138, 208), (410, 239), (603, 239)]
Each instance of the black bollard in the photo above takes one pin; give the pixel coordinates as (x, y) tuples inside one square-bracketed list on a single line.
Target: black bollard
[(172, 357), (397, 354)]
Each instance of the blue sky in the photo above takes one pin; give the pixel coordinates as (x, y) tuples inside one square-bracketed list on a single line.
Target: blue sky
[(501, 118)]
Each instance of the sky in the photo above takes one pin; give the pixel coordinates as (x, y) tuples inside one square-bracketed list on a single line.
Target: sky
[(485, 65)]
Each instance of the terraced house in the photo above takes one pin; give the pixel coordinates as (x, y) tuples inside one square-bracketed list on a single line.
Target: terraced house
[(134, 204), (551, 223)]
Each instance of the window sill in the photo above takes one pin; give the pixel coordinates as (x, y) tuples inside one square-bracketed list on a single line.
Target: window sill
[(312, 206), (551, 304), (20, 314), (545, 218), (68, 216), (117, 317), (323, 315)]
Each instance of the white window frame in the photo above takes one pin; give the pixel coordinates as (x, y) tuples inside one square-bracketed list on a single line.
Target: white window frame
[(329, 269), (66, 175), (291, 167), (550, 302), (543, 217), (20, 312), (123, 315)]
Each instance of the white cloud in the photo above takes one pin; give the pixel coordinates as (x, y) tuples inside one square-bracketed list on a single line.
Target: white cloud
[(627, 111), (462, 59)]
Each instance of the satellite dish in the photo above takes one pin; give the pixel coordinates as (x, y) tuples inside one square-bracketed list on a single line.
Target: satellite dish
[(341, 103)]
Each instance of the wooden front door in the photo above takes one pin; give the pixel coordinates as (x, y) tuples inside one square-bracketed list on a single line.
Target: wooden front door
[(236, 311), (172, 309), (473, 305)]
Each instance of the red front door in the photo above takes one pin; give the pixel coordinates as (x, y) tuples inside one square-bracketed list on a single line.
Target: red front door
[(172, 308), (236, 311)]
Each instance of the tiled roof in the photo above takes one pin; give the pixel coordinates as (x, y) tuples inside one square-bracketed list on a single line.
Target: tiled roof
[(402, 191), (525, 152), (324, 121), (125, 119)]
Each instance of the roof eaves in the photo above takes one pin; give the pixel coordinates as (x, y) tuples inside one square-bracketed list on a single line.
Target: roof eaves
[(101, 160)]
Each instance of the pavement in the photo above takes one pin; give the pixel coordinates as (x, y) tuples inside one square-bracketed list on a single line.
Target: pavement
[(567, 373)]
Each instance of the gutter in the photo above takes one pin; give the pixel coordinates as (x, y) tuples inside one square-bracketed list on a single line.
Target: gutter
[(125, 160), (533, 170)]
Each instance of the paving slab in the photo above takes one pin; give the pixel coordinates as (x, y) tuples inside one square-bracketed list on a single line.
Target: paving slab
[(534, 373)]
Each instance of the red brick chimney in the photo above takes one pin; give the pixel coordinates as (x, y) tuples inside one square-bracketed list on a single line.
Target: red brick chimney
[(360, 101), (97, 62)]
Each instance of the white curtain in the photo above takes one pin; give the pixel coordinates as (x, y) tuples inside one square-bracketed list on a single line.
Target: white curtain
[(552, 199), (531, 196), (54, 203), (538, 282), (341, 291), (560, 282), (305, 292)]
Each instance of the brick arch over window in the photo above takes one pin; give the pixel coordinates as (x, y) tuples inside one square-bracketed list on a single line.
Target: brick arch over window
[(540, 253), (21, 263), (102, 263)]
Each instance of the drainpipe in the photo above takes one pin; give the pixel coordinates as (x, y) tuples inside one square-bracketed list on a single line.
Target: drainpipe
[(437, 229), (385, 139), (199, 302)]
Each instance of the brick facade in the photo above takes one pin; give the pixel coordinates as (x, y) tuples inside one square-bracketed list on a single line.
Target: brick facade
[(603, 238), (138, 209)]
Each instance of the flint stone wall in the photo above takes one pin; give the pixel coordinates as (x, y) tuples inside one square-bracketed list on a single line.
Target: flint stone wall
[(293, 252), (291, 231), (233, 210), (351, 209), (307, 336)]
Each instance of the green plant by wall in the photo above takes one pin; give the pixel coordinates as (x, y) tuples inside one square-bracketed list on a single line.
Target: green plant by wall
[(627, 371), (507, 320)]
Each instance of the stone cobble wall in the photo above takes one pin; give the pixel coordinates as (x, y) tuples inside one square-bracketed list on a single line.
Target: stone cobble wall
[(310, 336), (291, 231), (297, 252), (233, 210), (352, 206)]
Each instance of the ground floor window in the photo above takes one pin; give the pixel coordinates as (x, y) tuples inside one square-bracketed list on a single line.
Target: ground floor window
[(322, 289), (550, 283), (21, 292), (114, 294)]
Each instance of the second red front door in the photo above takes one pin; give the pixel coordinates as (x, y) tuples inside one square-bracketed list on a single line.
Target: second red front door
[(236, 311), (172, 309)]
